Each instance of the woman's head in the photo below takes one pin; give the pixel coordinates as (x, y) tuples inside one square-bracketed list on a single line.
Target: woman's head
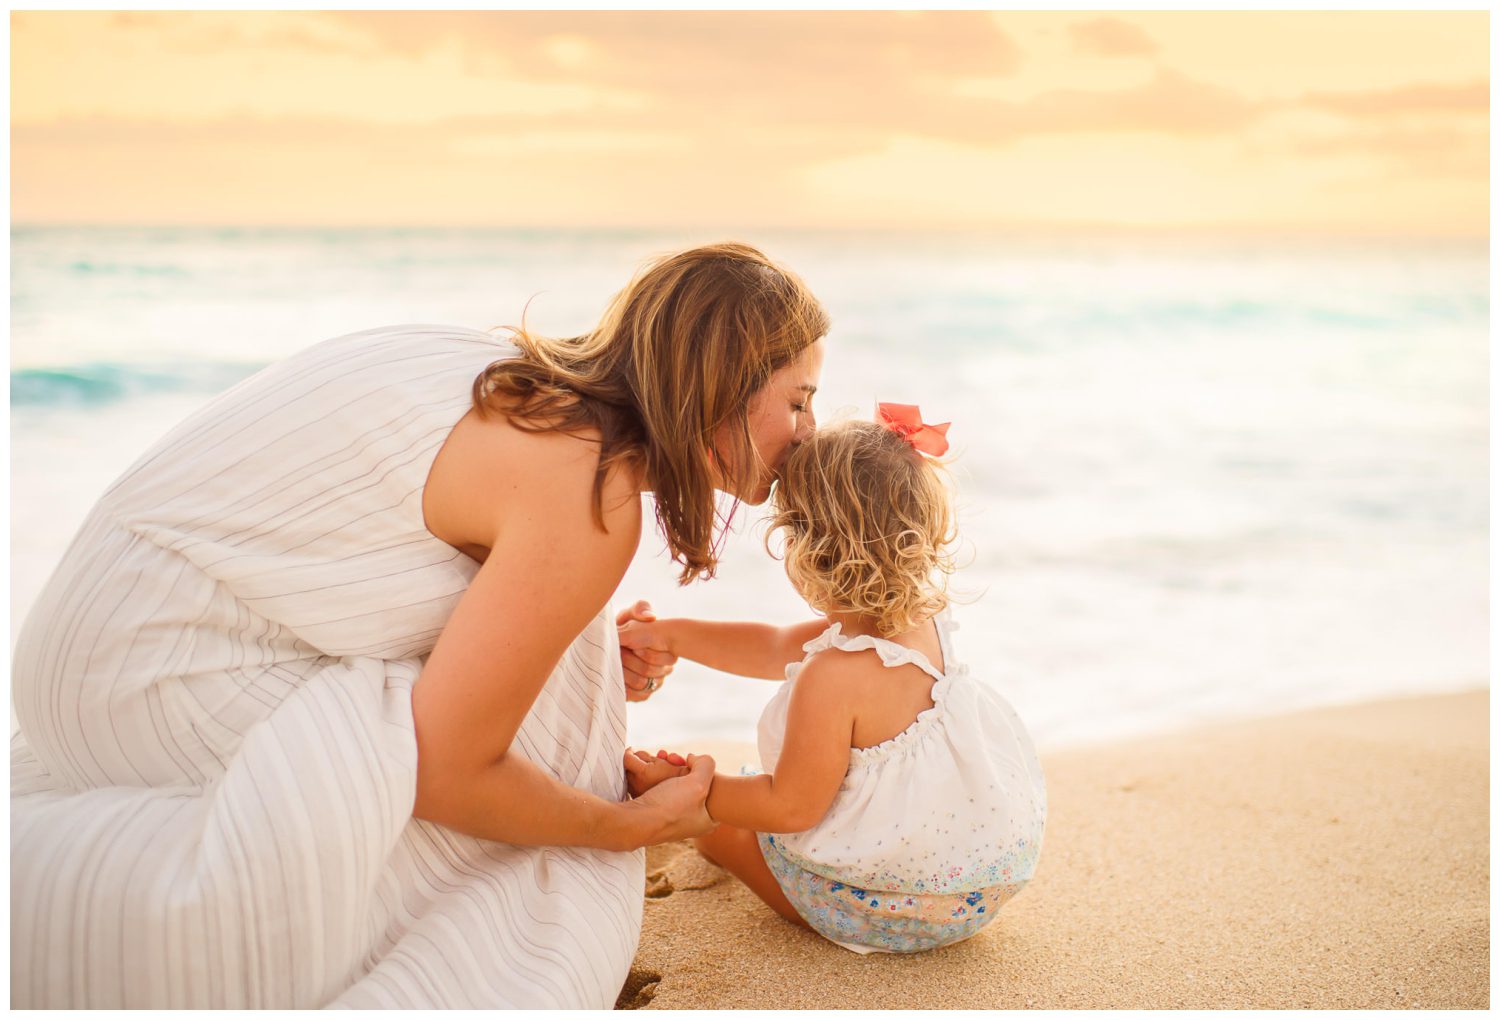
[(866, 522), (722, 338), (688, 375)]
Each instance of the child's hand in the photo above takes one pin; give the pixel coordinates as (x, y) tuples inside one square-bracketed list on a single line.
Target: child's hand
[(643, 771)]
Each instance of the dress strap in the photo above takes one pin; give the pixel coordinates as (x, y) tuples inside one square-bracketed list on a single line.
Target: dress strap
[(946, 625), (891, 654)]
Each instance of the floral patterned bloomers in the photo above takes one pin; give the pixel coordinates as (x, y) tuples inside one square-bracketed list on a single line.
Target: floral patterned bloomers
[(931, 831)]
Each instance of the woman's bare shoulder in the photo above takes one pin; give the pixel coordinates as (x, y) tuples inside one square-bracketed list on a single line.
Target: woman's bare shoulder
[(489, 471)]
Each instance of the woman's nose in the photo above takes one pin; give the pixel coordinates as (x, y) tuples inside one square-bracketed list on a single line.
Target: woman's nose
[(808, 426)]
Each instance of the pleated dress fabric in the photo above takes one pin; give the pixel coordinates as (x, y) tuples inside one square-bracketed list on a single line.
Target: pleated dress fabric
[(212, 787)]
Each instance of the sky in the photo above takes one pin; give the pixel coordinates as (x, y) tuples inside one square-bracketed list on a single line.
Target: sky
[(1341, 123)]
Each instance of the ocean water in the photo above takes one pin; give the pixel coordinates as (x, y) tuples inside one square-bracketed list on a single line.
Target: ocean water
[(1196, 479)]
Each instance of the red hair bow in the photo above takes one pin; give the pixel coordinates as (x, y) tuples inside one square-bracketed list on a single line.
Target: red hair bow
[(906, 421)]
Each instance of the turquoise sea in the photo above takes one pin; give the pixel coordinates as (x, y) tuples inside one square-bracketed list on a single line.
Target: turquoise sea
[(1197, 479)]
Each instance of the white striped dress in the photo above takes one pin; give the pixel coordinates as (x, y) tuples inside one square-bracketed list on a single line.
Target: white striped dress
[(211, 792)]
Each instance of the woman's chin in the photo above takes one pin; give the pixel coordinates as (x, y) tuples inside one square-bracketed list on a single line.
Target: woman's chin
[(755, 496), (758, 495)]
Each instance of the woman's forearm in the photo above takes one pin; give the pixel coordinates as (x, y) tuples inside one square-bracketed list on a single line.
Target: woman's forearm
[(515, 801), (745, 649)]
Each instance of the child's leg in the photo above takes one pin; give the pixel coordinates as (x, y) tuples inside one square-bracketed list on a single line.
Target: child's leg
[(737, 852)]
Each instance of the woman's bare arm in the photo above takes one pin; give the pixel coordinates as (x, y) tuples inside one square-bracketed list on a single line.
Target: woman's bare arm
[(548, 572)]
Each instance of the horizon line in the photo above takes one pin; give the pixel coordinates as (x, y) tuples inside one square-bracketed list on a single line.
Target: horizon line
[(1227, 231)]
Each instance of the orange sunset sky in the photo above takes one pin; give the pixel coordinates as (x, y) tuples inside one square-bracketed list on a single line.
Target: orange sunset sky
[(1332, 123)]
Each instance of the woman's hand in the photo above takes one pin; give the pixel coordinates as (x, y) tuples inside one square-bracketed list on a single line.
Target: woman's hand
[(677, 804), (642, 771), (644, 657)]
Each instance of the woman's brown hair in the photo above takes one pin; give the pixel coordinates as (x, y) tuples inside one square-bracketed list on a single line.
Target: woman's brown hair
[(678, 353)]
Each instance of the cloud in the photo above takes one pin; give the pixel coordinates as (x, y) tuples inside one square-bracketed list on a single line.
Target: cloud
[(1168, 103), (209, 32), (1426, 152), (775, 129), (462, 171), (739, 78), (471, 136), (1111, 37), (697, 109), (1468, 98), (715, 51)]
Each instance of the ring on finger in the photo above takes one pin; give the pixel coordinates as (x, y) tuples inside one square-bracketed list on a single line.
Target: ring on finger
[(652, 683)]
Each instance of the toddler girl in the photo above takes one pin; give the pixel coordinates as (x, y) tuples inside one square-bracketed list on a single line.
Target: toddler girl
[(902, 802)]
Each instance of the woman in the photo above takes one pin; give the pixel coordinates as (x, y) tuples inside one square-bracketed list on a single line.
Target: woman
[(324, 704)]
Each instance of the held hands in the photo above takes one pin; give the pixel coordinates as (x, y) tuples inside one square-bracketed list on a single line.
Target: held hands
[(675, 789), (643, 770), (643, 653)]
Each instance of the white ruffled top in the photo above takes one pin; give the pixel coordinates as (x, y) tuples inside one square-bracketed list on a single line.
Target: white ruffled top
[(954, 803)]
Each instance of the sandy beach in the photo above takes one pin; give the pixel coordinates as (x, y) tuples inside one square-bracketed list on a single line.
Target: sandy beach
[(1335, 858)]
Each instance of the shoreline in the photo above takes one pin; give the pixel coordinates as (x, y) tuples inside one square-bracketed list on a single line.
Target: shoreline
[(1333, 857), (736, 751)]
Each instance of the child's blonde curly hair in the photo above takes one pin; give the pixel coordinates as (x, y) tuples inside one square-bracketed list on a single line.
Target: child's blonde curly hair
[(867, 522)]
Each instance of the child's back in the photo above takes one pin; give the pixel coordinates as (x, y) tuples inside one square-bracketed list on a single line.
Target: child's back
[(935, 826)]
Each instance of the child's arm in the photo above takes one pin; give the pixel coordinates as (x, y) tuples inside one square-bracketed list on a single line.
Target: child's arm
[(814, 756), (745, 649)]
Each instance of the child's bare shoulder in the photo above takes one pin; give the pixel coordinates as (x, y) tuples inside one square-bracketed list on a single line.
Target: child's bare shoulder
[(837, 671)]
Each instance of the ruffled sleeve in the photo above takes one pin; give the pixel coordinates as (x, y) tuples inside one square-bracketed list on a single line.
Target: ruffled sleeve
[(827, 639), (891, 654), (817, 644)]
